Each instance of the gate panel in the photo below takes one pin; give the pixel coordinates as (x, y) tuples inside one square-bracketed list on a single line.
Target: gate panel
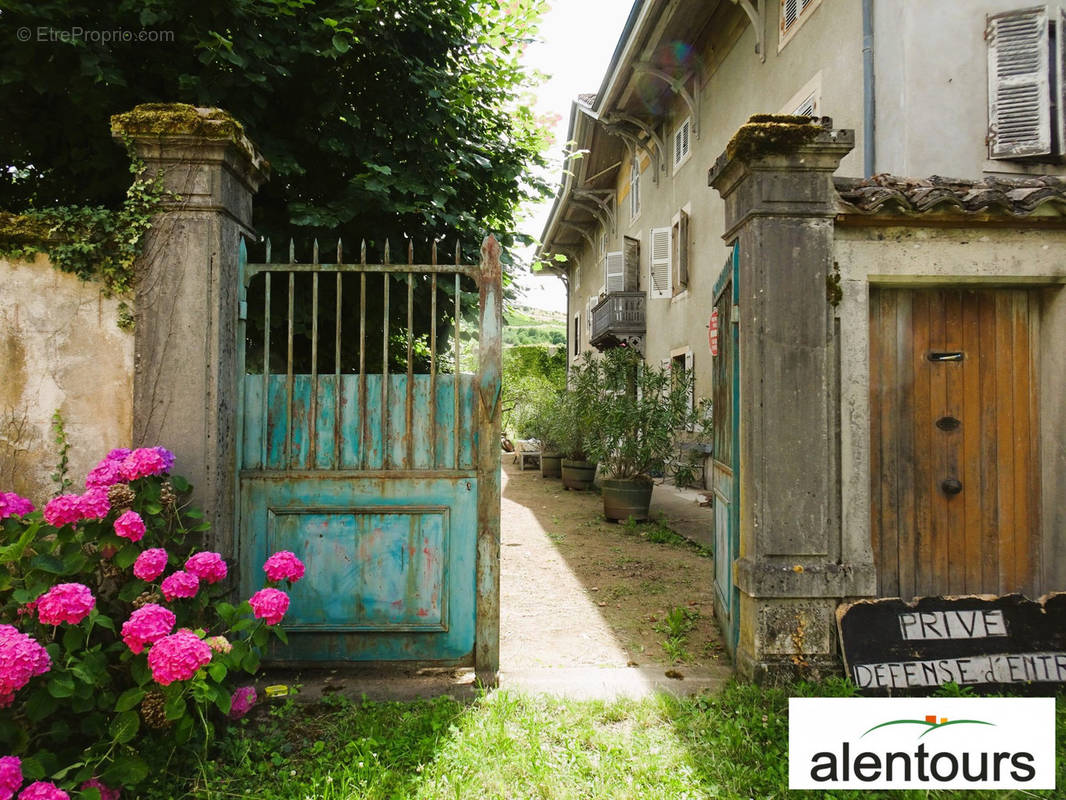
[(359, 451)]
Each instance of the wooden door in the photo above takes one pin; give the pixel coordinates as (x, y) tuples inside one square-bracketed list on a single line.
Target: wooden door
[(954, 471)]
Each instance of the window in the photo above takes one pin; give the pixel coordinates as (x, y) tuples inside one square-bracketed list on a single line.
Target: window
[(660, 262), (679, 245), (681, 370), (682, 142), (577, 334), (793, 14), (1026, 57), (634, 189), (614, 272), (807, 102)]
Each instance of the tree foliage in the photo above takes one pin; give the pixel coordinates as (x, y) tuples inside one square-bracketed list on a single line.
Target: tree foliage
[(379, 117)]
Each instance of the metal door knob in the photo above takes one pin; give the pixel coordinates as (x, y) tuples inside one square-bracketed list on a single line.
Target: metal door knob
[(950, 486)]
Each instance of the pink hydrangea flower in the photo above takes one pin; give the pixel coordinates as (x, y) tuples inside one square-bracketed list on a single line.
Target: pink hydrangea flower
[(180, 584), (242, 701), (118, 454), (150, 564), (43, 790), (146, 461), (130, 526), (10, 776), (269, 605), (207, 566), (105, 792), (177, 657), (21, 657), (284, 566), (94, 504), (11, 505), (147, 625), (65, 602), (107, 473), (220, 644), (63, 509)]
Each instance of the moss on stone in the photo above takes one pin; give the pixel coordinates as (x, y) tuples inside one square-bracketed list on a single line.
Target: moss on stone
[(771, 134), (19, 231), (176, 119)]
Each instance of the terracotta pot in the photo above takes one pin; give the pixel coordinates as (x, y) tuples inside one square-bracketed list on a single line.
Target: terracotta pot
[(578, 475), (626, 498)]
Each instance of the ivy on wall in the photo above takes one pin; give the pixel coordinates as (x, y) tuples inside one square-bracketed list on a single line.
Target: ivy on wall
[(92, 242)]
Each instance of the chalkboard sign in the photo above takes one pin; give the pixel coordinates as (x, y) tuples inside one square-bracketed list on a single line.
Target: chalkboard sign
[(893, 645)]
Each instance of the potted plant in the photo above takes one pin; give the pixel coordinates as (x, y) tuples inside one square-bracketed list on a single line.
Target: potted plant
[(639, 410), (544, 427), (572, 424)]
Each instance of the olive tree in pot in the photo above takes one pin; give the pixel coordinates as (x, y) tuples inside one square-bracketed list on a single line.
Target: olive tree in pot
[(573, 421), (638, 411), (544, 427)]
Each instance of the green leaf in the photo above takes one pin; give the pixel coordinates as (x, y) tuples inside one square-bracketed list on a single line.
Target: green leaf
[(183, 730), (179, 483), (217, 671), (73, 638), (60, 685), (251, 661), (40, 705), (127, 770), (340, 44), (47, 563), (129, 698), (139, 670), (32, 769), (132, 590), (222, 702), (103, 621), (280, 633), (125, 557), (153, 509), (125, 726), (175, 706)]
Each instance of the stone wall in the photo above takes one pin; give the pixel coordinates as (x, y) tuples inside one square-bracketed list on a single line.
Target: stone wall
[(60, 350)]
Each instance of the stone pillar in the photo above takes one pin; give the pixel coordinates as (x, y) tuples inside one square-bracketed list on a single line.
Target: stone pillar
[(185, 356), (776, 180)]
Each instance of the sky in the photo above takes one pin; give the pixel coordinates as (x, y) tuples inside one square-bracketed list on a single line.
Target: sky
[(573, 48)]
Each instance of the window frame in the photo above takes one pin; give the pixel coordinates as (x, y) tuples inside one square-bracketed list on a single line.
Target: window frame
[(805, 9), (683, 131)]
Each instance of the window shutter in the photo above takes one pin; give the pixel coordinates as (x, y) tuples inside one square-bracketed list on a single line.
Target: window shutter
[(1019, 92), (588, 318), (682, 250), (616, 272), (660, 262), (681, 141), (632, 264), (789, 13)]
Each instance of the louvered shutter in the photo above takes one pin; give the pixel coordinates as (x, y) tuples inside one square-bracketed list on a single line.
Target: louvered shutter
[(1019, 91), (632, 264), (789, 13), (682, 250), (660, 262), (616, 272)]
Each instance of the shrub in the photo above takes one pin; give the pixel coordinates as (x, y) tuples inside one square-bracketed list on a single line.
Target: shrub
[(114, 632)]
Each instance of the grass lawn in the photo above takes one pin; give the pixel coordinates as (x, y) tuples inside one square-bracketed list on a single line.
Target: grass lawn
[(504, 745)]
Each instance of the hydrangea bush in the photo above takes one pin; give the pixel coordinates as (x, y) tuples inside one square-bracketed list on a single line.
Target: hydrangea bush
[(114, 630)]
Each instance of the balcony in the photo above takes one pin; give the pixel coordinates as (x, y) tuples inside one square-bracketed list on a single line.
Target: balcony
[(618, 319)]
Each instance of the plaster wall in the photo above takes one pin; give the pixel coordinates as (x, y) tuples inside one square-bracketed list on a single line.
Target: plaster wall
[(931, 68), (60, 350), (736, 84), (917, 256)]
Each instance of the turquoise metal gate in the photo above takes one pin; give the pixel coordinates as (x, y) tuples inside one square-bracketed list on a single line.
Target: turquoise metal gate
[(366, 450)]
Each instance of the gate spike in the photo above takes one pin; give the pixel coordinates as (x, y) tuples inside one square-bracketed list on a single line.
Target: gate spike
[(362, 252), (314, 252), (433, 253), (386, 250), (268, 251), (410, 252), (340, 252), (292, 251), (457, 252)]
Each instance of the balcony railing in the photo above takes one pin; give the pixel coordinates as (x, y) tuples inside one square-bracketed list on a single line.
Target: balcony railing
[(618, 317)]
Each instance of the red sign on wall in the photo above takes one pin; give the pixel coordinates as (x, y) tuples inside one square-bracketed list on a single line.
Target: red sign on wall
[(712, 332)]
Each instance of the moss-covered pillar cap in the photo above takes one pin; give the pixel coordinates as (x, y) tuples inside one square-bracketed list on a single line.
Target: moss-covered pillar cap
[(170, 132), (780, 165)]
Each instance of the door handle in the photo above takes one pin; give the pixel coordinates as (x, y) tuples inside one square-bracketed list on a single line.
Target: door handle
[(950, 486)]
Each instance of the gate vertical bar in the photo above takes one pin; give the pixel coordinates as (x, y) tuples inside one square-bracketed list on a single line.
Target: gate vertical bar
[(385, 460), (363, 431), (288, 368), (456, 376), (490, 369), (409, 430), (311, 456), (433, 362), (337, 369), (266, 371)]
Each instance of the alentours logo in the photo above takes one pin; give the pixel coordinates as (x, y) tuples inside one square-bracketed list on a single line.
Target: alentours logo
[(921, 743)]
